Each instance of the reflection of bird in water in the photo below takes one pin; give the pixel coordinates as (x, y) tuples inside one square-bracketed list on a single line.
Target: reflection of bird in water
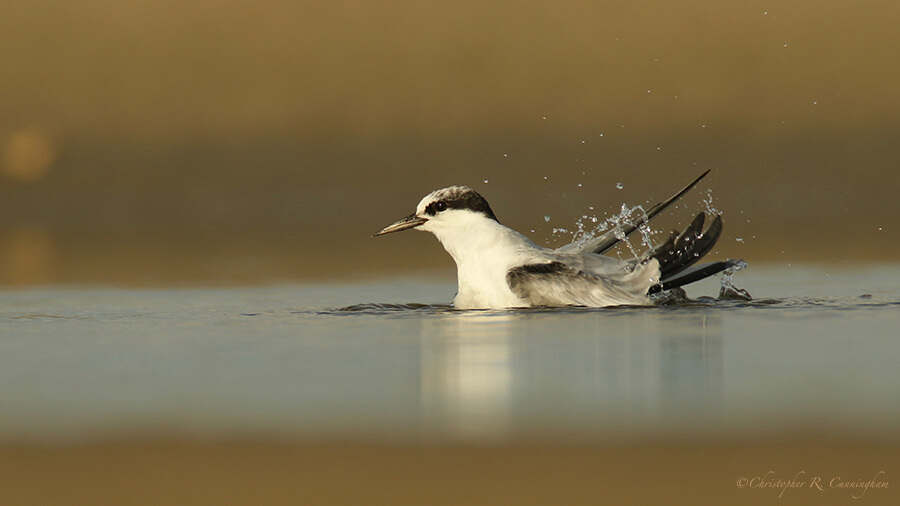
[(498, 267)]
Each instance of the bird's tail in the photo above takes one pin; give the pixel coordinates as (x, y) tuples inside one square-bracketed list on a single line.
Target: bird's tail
[(681, 251)]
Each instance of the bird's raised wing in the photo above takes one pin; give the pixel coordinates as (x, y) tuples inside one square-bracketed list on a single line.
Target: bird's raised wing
[(606, 241)]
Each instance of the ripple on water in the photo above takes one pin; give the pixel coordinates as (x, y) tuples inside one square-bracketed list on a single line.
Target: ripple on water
[(861, 302)]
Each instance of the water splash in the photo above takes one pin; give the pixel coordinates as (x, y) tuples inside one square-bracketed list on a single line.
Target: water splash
[(589, 226), (621, 220), (729, 291), (708, 203), (629, 217)]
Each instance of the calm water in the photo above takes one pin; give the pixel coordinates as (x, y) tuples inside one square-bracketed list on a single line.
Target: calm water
[(817, 349)]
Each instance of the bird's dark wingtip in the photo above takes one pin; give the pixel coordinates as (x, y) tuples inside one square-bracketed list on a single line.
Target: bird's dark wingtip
[(682, 250)]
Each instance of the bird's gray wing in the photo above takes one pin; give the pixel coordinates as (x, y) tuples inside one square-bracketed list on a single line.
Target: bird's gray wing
[(606, 241), (557, 284)]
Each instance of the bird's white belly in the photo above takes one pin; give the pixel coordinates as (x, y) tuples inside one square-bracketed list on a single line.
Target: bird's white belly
[(485, 287)]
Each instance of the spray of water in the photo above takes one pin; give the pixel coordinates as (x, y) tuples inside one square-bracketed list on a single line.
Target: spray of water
[(708, 203), (589, 226), (729, 291)]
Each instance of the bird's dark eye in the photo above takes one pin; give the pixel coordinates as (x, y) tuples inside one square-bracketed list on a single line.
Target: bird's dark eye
[(440, 205)]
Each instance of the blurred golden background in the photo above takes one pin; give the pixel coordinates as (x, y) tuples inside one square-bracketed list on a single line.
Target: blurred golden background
[(227, 142)]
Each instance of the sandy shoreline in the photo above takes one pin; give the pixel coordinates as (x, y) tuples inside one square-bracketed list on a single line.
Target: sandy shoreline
[(250, 472)]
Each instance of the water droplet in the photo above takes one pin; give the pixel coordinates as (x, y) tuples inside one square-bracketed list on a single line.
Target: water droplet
[(620, 185), (546, 217)]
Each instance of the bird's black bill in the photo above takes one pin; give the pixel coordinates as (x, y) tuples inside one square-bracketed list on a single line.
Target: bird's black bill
[(410, 221)]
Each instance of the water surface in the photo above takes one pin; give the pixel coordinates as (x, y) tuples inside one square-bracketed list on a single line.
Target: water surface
[(816, 350)]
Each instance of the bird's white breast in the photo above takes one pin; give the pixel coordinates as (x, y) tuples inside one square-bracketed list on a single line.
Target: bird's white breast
[(484, 251), (483, 284)]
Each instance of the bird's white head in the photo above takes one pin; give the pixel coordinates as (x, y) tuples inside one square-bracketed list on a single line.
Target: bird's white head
[(446, 213)]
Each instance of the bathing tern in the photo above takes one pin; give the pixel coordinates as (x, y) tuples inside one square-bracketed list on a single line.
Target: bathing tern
[(498, 267)]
